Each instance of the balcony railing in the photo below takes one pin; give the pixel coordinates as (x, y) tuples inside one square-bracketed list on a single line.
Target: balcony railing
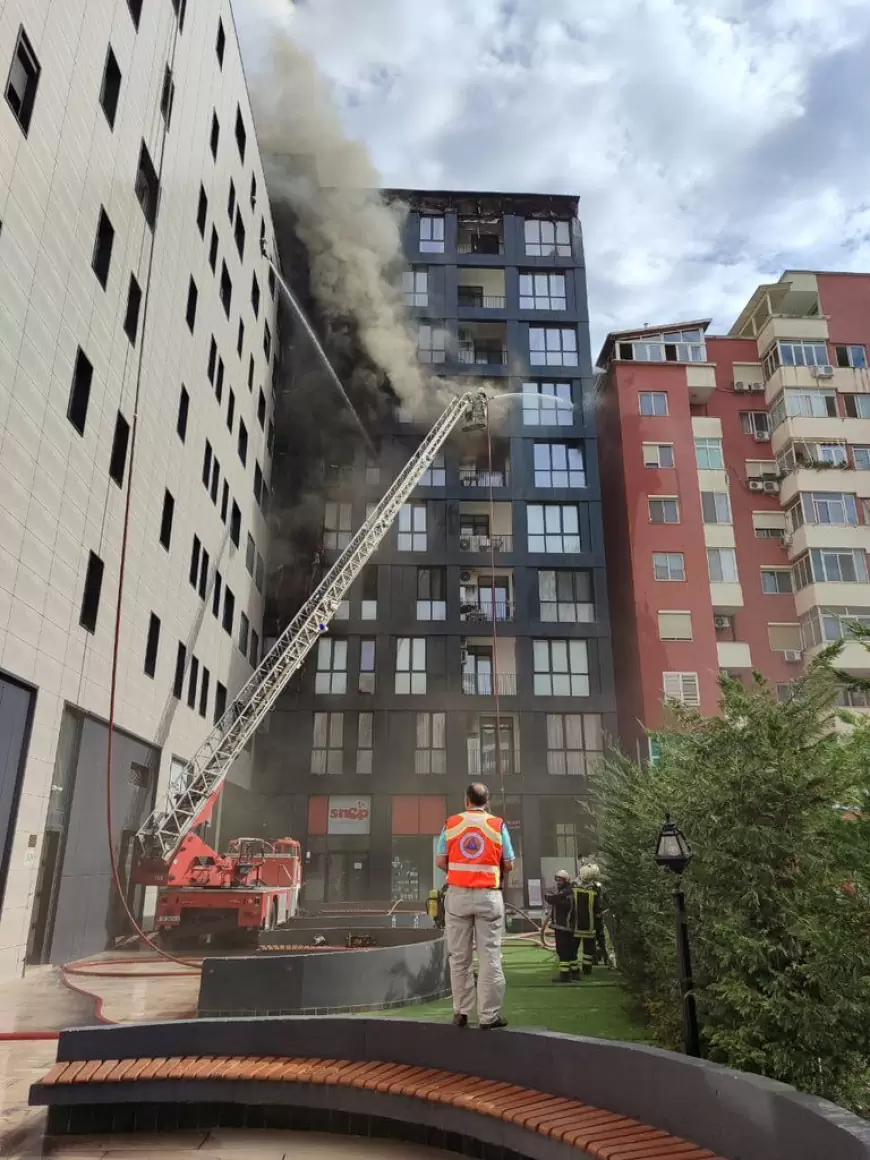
[(481, 477), (482, 356), (474, 296), (485, 613), (487, 764), (485, 543), (487, 685)]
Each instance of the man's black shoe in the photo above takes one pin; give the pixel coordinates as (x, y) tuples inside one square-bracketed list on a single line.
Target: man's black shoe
[(460, 1020), (494, 1025)]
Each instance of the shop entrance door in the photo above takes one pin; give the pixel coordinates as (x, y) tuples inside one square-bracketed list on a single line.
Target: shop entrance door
[(347, 876)]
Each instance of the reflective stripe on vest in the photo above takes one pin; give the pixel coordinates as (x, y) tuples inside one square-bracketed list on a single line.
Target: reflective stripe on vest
[(474, 850)]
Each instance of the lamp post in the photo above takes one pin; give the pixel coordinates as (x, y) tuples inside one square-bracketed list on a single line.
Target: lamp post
[(672, 852)]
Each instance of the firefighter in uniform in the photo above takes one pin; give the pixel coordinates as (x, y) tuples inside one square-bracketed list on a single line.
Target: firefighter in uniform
[(476, 851), (561, 903), (589, 918)]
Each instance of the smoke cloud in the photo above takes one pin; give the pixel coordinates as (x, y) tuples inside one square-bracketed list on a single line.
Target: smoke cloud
[(352, 237)]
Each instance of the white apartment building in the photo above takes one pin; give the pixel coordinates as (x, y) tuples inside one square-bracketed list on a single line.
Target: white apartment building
[(137, 340)]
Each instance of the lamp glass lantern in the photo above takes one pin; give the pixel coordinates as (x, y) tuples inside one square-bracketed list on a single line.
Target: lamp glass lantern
[(672, 849)]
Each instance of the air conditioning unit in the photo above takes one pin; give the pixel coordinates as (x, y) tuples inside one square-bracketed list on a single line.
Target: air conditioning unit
[(721, 622), (465, 577), (741, 388), (823, 372), (771, 486), (762, 436), (792, 656), (757, 388), (756, 485)]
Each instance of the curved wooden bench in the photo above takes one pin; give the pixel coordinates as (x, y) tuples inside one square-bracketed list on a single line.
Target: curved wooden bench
[(587, 1130)]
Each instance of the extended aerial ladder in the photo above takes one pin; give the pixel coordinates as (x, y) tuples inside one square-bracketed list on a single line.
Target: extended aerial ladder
[(196, 787)]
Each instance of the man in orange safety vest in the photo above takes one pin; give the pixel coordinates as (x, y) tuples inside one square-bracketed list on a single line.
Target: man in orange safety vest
[(475, 850)]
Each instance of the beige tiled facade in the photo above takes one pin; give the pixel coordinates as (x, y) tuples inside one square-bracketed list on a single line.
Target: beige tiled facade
[(58, 503)]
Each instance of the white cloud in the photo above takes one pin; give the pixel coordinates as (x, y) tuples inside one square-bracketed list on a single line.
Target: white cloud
[(712, 143)]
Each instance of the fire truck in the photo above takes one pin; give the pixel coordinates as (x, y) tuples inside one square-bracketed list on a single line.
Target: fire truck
[(255, 885)]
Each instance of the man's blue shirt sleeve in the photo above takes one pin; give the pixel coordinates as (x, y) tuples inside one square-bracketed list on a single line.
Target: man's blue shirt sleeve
[(507, 845), (441, 848)]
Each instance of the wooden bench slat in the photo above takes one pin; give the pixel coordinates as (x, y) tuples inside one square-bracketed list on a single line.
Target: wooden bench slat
[(604, 1135)]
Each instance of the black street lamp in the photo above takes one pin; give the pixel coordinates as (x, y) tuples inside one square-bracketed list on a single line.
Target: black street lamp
[(672, 852)]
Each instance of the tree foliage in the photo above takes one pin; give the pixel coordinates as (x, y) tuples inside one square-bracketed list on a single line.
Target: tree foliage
[(781, 952)]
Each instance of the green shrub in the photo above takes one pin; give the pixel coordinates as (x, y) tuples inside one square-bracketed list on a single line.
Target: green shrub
[(781, 953)]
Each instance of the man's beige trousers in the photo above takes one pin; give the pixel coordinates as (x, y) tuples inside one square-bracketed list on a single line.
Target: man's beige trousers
[(475, 917)]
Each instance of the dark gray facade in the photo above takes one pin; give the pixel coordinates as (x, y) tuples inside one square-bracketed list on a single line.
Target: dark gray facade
[(499, 636)]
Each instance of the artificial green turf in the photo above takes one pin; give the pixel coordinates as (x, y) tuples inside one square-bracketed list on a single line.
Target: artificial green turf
[(595, 1006)]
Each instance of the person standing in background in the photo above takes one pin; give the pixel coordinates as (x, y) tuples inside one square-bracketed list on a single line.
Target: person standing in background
[(476, 851), (561, 904)]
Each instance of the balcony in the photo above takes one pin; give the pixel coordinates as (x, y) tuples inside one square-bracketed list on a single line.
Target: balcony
[(790, 308), (487, 684), (482, 344), (481, 289), (484, 597), (485, 762), (483, 531), (475, 471), (480, 235), (489, 667)]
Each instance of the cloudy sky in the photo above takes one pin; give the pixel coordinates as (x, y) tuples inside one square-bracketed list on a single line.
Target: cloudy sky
[(713, 143)]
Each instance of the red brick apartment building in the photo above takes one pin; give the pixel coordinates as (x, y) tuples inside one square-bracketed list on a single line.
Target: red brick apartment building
[(735, 475)]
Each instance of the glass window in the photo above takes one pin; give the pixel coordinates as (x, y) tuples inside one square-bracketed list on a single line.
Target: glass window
[(552, 346), (653, 402), (559, 465), (547, 405), (794, 354), (561, 668), (327, 750), (754, 422), (851, 356), (331, 676), (412, 528), (542, 291), (775, 581), (431, 343), (553, 527), (369, 593), (833, 566), (336, 526), (784, 637), (574, 743), (411, 664), (431, 235), (861, 457), (716, 507), (415, 287), (364, 742), (669, 566), (857, 406), (658, 454), (664, 509), (431, 594), (829, 508), (430, 755), (547, 239), (566, 597), (708, 455), (722, 565), (435, 475), (367, 666), (682, 687)]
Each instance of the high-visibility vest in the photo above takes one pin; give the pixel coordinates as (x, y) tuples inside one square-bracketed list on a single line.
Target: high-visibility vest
[(474, 850)]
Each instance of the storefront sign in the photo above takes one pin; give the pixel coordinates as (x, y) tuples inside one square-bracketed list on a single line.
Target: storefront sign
[(349, 815)]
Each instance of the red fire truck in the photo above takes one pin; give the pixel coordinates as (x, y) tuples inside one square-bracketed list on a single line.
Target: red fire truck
[(229, 897)]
